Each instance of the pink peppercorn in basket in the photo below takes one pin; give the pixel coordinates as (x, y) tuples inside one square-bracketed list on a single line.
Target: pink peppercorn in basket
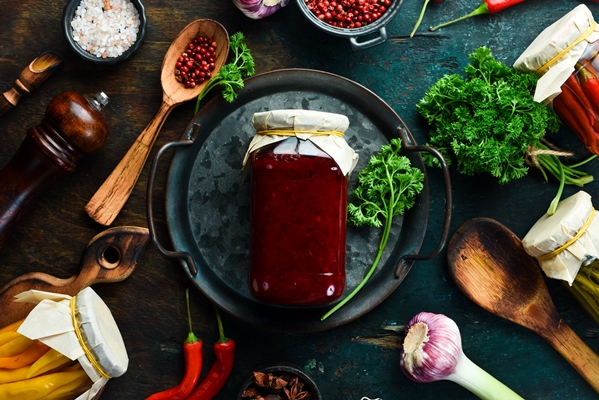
[(352, 19)]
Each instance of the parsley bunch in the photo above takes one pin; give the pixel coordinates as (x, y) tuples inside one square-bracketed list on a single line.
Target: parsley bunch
[(387, 187), (231, 75), (490, 123)]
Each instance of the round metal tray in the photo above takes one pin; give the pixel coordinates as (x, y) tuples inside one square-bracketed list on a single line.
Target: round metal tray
[(208, 201)]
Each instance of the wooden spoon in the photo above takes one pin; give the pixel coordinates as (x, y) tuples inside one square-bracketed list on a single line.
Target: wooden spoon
[(489, 264), (110, 198)]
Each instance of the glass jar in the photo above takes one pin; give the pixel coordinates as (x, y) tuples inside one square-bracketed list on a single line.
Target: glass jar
[(71, 343), (566, 244), (578, 102), (300, 163), (564, 55)]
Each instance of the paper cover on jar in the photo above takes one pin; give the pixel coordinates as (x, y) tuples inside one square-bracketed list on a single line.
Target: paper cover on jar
[(306, 124), (95, 341), (566, 240), (554, 53)]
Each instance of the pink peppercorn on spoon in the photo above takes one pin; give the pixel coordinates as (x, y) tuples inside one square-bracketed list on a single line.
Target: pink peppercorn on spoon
[(110, 198)]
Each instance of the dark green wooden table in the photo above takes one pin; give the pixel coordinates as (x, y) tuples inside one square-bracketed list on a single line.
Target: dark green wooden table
[(357, 359)]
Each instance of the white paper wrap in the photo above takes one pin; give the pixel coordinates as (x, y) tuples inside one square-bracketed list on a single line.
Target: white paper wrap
[(51, 323), (306, 120), (553, 231), (553, 40)]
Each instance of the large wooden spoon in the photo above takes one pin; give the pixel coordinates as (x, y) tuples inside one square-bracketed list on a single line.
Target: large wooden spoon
[(110, 198), (489, 264)]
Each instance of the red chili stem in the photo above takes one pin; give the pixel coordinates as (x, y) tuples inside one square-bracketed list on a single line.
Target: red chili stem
[(189, 337), (487, 7), (221, 329), (589, 64), (224, 350), (192, 349)]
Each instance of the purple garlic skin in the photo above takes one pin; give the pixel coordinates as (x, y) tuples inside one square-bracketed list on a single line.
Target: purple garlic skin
[(258, 9), (431, 349)]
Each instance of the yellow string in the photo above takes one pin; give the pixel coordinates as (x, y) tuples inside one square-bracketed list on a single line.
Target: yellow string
[(582, 37), (87, 351), (293, 132), (569, 242)]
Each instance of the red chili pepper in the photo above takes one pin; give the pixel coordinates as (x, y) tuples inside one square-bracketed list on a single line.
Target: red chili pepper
[(224, 350), (589, 86), (192, 348), (579, 94), (570, 110), (487, 7)]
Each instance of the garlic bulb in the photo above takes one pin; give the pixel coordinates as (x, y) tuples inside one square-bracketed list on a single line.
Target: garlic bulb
[(258, 9), (432, 351)]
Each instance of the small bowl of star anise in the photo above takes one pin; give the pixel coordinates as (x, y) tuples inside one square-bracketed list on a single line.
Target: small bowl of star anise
[(283, 381)]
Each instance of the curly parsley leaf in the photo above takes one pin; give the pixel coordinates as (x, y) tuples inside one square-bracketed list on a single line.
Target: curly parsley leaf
[(486, 120), (387, 187), (231, 75), (489, 122)]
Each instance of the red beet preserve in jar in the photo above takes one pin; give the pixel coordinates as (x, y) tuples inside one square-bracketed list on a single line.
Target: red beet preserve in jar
[(299, 162)]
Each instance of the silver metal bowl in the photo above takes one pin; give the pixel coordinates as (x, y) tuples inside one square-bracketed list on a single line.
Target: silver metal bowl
[(359, 38)]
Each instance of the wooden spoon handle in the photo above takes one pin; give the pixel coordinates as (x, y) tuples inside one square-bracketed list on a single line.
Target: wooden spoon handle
[(109, 199), (30, 79), (576, 352)]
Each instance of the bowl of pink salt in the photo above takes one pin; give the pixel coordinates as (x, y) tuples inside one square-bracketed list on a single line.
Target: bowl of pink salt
[(104, 31)]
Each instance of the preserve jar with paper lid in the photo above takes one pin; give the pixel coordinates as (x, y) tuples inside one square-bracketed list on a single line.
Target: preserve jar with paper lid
[(300, 163), (565, 57), (72, 346), (566, 244)]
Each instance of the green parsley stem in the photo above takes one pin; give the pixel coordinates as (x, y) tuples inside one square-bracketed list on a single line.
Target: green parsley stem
[(555, 201), (387, 187), (563, 173), (382, 244)]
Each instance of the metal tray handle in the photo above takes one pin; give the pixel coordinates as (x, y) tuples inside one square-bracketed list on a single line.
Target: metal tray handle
[(187, 140), (406, 261)]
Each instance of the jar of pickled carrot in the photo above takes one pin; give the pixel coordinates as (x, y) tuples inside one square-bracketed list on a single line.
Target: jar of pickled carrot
[(564, 55), (300, 164), (66, 348)]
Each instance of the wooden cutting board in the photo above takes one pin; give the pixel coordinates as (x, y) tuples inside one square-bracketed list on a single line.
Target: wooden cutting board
[(111, 256)]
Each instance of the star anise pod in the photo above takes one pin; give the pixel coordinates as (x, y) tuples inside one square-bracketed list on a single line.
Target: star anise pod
[(269, 380), (295, 391), (250, 393)]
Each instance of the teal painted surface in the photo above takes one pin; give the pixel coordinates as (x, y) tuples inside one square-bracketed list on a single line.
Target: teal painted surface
[(400, 71)]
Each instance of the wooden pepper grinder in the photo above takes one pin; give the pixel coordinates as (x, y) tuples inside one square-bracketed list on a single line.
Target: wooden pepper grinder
[(71, 128)]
